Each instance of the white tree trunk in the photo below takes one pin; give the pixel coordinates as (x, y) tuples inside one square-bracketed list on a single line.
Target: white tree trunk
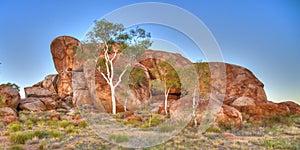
[(113, 100), (166, 100), (125, 103), (110, 75), (194, 107)]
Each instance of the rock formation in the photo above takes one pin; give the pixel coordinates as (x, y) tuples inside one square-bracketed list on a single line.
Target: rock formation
[(55, 91), (244, 98), (9, 100)]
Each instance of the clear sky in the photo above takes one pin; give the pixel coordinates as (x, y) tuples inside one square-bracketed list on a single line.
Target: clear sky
[(263, 36)]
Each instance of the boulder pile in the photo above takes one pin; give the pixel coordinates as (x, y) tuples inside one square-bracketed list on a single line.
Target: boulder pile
[(244, 97)]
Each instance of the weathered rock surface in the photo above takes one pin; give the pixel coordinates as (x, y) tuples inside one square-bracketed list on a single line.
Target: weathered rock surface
[(294, 107), (262, 110), (10, 97), (7, 115), (227, 115), (62, 50), (32, 104), (37, 92), (244, 94)]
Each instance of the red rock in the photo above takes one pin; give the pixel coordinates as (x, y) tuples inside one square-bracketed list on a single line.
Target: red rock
[(50, 82), (7, 115), (133, 117), (32, 104), (262, 110), (37, 92), (227, 115), (10, 96), (55, 117), (78, 121), (294, 107), (49, 103), (62, 50), (126, 114), (240, 82)]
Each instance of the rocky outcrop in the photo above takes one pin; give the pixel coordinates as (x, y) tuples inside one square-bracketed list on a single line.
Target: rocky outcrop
[(63, 52), (293, 107), (9, 100), (7, 115), (32, 104), (244, 94), (37, 92), (226, 116), (10, 97), (241, 82), (55, 91)]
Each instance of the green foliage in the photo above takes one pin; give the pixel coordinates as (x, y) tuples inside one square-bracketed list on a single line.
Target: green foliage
[(71, 129), (280, 143), (119, 138), (226, 125), (15, 127), (276, 120), (204, 74), (137, 77), (213, 129), (1, 103), (13, 85), (154, 121), (22, 137), (134, 40), (65, 124), (167, 75), (133, 123), (166, 128), (17, 147), (82, 124)]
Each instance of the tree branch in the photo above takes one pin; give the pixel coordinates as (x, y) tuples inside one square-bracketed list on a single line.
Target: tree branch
[(121, 75), (105, 77)]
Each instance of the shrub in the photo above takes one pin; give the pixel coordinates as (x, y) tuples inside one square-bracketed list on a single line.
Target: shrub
[(1, 103), (22, 117), (15, 127), (166, 128), (278, 119), (226, 125), (119, 138), (55, 134), (154, 121), (213, 129), (133, 123), (83, 124), (280, 143), (20, 138), (64, 124), (28, 123), (70, 129), (17, 147)]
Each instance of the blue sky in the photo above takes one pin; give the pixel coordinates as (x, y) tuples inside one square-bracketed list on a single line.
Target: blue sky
[(263, 36)]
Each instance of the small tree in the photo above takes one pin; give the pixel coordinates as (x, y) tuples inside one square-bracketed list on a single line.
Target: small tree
[(168, 80), (13, 85), (114, 38)]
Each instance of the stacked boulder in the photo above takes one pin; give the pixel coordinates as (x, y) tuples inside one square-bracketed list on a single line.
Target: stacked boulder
[(9, 100), (244, 96), (55, 91)]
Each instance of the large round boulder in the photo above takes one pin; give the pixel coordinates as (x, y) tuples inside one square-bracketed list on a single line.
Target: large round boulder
[(10, 97)]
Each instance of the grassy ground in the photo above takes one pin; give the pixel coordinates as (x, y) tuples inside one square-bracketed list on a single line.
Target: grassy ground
[(38, 131)]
